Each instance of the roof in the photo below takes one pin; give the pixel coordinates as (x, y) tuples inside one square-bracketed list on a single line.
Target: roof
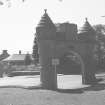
[(16, 57), (86, 27), (46, 21)]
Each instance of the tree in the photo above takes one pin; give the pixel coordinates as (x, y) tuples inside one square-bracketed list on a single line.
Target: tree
[(100, 36), (100, 48), (35, 54), (100, 30), (28, 59)]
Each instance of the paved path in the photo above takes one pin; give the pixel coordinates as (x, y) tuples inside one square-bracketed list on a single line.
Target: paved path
[(70, 82), (20, 81), (64, 81)]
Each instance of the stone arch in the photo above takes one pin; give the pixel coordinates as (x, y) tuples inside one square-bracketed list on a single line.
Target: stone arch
[(84, 41)]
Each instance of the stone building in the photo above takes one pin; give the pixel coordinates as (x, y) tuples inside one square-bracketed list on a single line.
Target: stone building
[(17, 59)]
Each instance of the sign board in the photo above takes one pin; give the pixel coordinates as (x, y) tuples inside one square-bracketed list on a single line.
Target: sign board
[(55, 61)]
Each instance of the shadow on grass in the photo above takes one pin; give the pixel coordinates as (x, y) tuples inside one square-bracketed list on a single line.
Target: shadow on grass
[(95, 87), (99, 85), (74, 91)]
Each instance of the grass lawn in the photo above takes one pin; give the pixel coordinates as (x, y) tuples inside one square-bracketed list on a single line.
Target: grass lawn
[(17, 96), (94, 95)]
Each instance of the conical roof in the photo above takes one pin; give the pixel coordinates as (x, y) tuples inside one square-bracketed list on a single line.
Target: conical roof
[(86, 28), (45, 21)]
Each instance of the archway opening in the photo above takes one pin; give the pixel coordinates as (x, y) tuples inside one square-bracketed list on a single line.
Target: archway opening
[(70, 71), (71, 63)]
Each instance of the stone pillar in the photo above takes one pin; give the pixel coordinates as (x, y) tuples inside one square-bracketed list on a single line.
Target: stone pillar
[(89, 71), (48, 73)]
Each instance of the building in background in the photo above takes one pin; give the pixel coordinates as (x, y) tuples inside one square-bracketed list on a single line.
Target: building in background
[(17, 59)]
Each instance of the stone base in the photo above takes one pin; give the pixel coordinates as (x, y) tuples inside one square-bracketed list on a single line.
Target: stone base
[(89, 79), (48, 78)]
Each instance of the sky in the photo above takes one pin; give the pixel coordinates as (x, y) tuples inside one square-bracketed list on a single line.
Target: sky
[(18, 22)]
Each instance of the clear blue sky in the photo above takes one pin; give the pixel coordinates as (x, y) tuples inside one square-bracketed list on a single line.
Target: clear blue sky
[(17, 23)]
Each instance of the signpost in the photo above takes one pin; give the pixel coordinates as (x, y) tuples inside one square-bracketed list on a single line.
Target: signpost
[(55, 62)]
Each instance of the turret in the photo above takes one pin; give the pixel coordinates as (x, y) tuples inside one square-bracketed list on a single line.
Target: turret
[(45, 29), (46, 36), (87, 38), (87, 33)]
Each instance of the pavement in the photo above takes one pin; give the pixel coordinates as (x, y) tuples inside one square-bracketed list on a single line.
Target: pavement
[(63, 81), (70, 82)]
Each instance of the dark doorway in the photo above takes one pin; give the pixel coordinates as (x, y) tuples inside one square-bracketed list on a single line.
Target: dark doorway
[(69, 64)]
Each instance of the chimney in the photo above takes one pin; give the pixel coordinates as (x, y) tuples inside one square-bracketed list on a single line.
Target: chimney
[(4, 52), (20, 52)]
